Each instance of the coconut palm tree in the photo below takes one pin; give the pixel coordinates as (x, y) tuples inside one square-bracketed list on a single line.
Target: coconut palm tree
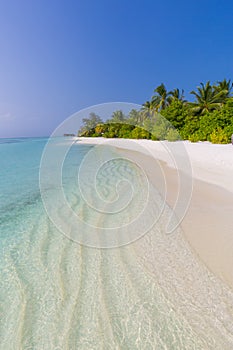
[(147, 111), (160, 100), (147, 105), (135, 117), (224, 85), (176, 94), (207, 99), (117, 117)]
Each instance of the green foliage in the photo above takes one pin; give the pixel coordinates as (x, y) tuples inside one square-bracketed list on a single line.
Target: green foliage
[(89, 124), (136, 117), (208, 98), (210, 122), (225, 86), (176, 113), (209, 118), (140, 133), (100, 129), (160, 127), (176, 95), (161, 98), (117, 117), (191, 126), (194, 137), (126, 131), (219, 136), (173, 135)]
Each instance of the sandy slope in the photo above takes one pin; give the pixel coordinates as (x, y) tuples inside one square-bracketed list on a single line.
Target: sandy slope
[(210, 163), (208, 223)]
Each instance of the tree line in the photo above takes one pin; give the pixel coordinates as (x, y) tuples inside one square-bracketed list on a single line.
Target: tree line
[(168, 115)]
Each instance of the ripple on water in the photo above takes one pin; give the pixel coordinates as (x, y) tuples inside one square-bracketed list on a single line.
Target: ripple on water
[(152, 294)]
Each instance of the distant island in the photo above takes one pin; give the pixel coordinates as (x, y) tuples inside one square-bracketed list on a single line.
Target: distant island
[(69, 135), (169, 116)]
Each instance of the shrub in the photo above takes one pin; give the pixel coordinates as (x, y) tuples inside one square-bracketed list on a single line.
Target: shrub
[(125, 131), (173, 135), (100, 129), (219, 136), (191, 126), (176, 113), (195, 137), (140, 133)]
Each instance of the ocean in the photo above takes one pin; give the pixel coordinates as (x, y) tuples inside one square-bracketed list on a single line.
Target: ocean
[(85, 262)]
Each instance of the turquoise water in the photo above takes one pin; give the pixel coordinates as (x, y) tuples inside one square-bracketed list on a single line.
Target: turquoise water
[(58, 294)]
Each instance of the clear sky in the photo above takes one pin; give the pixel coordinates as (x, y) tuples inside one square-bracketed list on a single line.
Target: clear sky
[(58, 57)]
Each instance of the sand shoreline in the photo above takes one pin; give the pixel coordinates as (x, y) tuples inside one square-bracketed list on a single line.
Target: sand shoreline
[(208, 224)]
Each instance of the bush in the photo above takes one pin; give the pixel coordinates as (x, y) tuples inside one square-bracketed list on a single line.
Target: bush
[(191, 126), (173, 135), (160, 127), (229, 131), (176, 113), (215, 126), (125, 131), (219, 136), (194, 137), (100, 129), (140, 133)]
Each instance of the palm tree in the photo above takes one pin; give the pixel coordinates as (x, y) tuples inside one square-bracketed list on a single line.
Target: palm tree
[(147, 105), (161, 99), (135, 117), (146, 112), (207, 99), (117, 117), (176, 94), (224, 85)]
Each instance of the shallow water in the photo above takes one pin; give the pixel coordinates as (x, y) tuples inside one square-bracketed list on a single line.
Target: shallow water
[(58, 294)]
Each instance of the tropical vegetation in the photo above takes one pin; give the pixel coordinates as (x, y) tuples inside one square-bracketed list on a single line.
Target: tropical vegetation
[(169, 116)]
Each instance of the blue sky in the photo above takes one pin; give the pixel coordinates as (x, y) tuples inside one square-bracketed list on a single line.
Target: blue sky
[(58, 57)]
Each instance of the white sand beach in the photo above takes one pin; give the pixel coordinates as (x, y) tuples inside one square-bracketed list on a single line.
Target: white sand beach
[(210, 162), (208, 223), (105, 261)]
